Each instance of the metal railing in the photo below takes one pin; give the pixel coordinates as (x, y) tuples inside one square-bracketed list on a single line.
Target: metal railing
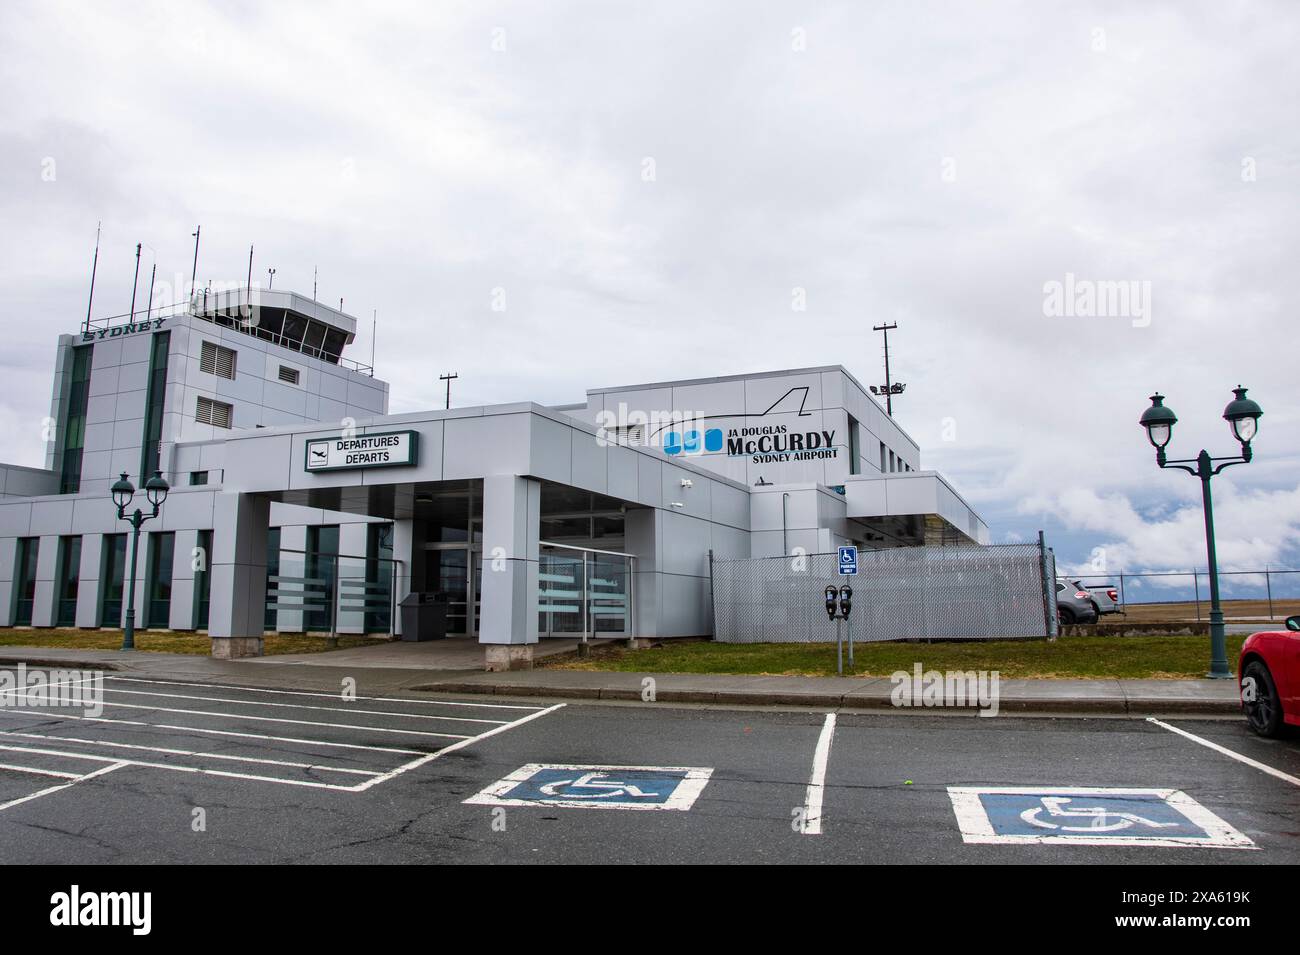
[(974, 592), (332, 594), (1269, 587)]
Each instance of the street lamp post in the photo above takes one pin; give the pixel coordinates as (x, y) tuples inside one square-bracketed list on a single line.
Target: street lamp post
[(1242, 415), (155, 490)]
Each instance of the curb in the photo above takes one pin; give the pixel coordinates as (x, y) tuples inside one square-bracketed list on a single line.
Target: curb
[(1137, 707), (57, 662)]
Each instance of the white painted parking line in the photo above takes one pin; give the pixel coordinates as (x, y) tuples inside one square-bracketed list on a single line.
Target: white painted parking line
[(39, 772), (259, 719), (1089, 816), (186, 752), (215, 732), (567, 786), (812, 819), (1255, 764), (54, 789), (417, 763), (245, 767), (308, 706), (332, 696)]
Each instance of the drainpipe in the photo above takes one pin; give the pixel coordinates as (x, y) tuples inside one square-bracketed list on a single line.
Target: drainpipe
[(785, 543)]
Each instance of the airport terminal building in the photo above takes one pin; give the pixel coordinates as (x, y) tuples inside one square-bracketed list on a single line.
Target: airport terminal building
[(298, 503)]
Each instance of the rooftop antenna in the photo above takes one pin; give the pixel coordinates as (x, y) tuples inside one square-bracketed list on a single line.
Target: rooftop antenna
[(135, 283), (448, 379), (890, 387), (314, 270), (250, 274), (374, 327), (94, 266), (194, 274), (270, 280), (152, 275)]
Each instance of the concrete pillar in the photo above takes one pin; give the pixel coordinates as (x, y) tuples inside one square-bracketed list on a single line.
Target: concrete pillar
[(47, 568), (408, 552), (351, 574), (238, 574), (141, 577), (511, 523), (8, 556), (89, 584), (643, 537), (183, 606)]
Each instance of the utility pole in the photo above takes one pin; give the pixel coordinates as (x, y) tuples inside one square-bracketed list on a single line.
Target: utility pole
[(447, 379), (890, 387)]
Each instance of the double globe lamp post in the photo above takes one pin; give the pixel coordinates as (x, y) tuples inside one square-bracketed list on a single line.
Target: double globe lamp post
[(122, 491), (1242, 415)]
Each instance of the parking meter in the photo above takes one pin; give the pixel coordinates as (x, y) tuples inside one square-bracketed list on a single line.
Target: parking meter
[(846, 601), (832, 602)]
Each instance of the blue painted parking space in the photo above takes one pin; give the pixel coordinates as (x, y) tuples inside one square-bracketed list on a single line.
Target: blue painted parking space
[(1089, 816), (597, 787)]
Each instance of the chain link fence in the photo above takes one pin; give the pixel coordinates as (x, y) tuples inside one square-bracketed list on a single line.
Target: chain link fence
[(975, 593)]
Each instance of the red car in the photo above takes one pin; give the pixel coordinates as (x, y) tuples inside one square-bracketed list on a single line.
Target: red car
[(1269, 673)]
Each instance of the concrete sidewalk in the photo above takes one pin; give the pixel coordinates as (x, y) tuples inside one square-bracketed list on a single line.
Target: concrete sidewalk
[(1084, 697)]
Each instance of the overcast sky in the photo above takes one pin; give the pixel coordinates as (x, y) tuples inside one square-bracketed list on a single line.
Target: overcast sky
[(646, 186)]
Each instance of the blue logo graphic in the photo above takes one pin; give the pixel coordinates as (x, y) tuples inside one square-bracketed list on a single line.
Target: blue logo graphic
[(689, 443)]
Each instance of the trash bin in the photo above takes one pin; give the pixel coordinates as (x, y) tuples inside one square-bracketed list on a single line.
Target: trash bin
[(424, 616)]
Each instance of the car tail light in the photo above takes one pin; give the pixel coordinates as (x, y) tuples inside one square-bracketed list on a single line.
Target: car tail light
[(1113, 595), (1083, 595)]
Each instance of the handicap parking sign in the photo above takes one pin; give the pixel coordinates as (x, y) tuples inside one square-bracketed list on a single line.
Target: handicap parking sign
[(1089, 816), (848, 561), (597, 787)]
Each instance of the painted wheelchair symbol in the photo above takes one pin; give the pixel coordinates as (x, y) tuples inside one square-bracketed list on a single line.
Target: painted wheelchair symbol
[(1098, 818), (599, 786)]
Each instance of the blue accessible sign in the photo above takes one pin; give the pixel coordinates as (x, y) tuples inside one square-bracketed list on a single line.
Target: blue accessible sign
[(597, 787), (1091, 817), (848, 561)]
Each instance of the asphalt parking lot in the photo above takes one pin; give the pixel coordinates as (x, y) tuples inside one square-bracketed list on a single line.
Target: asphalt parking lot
[(175, 771)]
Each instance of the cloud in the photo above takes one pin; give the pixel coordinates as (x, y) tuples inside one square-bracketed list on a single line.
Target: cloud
[(932, 165)]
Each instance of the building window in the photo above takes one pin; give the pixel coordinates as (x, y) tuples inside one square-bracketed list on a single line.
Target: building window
[(158, 593), (198, 477), (892, 462), (74, 421), (217, 360), (855, 466), (203, 581), (322, 555), (882, 457), (288, 375), (153, 405), (113, 574), (379, 578), (272, 577), (65, 588), (25, 580), (216, 413)]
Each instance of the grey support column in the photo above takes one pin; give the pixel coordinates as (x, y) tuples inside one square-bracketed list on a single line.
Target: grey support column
[(643, 536), (511, 522), (89, 584), (408, 536), (47, 563), (237, 609)]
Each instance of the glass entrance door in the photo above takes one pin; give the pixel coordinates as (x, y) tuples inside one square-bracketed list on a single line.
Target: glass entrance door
[(581, 591)]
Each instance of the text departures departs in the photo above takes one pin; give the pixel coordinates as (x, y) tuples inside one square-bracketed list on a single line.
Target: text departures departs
[(383, 450)]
